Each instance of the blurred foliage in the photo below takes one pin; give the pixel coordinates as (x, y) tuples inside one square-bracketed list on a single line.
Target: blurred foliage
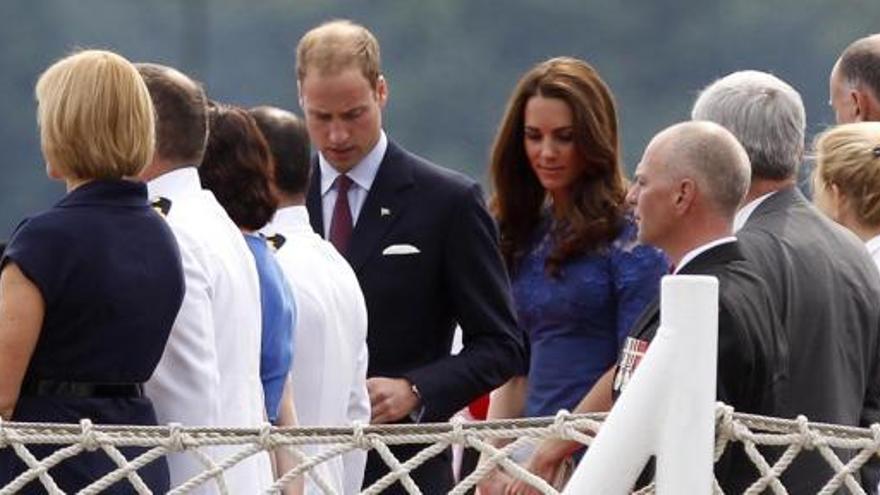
[(451, 64)]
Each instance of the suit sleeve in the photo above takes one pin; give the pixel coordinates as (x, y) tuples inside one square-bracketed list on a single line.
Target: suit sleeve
[(734, 358), (480, 294)]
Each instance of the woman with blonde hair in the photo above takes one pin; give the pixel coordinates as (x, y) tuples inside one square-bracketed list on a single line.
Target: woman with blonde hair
[(579, 277), (89, 289), (846, 180)]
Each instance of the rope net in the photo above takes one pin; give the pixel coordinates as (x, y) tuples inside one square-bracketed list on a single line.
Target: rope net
[(790, 437)]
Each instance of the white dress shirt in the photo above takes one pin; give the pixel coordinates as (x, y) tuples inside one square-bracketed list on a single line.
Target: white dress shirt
[(362, 176), (742, 216), (209, 373), (873, 246), (330, 348)]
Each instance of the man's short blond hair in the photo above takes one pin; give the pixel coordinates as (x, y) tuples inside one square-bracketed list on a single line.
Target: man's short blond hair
[(96, 117), (848, 156), (338, 45)]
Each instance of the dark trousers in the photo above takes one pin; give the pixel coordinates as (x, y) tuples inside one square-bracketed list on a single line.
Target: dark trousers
[(433, 477)]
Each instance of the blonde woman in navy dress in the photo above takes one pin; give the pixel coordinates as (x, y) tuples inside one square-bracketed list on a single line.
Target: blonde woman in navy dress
[(89, 288)]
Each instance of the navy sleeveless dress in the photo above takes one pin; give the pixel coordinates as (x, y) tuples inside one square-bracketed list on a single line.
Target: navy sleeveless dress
[(109, 271)]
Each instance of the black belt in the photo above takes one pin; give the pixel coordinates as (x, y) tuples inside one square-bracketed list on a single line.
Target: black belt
[(62, 388)]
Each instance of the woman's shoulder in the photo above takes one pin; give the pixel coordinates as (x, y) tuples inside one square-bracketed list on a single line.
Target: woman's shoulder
[(44, 226)]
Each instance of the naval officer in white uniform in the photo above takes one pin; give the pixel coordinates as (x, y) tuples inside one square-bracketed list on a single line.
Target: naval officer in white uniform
[(209, 374), (330, 362)]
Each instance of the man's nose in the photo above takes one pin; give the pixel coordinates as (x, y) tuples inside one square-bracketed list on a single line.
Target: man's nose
[(632, 195), (338, 133)]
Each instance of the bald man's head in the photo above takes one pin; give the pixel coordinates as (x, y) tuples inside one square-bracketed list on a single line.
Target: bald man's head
[(855, 82), (711, 156), (691, 172)]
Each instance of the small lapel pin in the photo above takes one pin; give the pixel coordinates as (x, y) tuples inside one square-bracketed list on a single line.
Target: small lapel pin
[(384, 211)]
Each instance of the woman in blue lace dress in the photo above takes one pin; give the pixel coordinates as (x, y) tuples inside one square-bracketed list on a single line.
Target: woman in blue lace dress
[(579, 277)]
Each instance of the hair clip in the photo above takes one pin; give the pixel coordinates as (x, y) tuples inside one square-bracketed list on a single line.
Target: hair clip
[(876, 151)]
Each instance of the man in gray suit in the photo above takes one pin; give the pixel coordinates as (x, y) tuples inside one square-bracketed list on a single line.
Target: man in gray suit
[(822, 281)]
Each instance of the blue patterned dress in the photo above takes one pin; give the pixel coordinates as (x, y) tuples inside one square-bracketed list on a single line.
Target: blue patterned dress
[(577, 322)]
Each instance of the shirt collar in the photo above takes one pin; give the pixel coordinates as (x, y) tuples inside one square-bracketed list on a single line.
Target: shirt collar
[(289, 219), (178, 181), (873, 245), (693, 253), (742, 216), (362, 174)]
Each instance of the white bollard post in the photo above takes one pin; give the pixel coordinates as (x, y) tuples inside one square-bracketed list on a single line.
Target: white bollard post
[(668, 407)]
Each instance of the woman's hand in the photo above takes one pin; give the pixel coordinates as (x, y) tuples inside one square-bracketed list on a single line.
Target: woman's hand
[(544, 463), (494, 483)]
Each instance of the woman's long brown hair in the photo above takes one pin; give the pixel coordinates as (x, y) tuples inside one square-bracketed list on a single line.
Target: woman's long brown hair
[(594, 215)]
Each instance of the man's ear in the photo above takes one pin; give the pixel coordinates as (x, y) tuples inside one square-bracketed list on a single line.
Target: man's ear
[(685, 195), (299, 94), (381, 90), (867, 107)]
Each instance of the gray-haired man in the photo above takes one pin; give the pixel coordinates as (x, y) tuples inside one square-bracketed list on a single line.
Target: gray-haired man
[(820, 275)]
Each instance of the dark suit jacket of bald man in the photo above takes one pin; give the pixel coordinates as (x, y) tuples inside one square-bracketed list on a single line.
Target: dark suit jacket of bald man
[(415, 300), (752, 349)]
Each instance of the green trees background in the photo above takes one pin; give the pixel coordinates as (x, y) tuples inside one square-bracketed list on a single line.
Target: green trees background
[(450, 63)]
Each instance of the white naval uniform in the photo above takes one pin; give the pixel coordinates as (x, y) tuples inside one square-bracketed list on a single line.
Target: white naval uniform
[(209, 374), (330, 348)]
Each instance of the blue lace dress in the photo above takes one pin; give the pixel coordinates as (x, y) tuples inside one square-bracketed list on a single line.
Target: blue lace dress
[(577, 322)]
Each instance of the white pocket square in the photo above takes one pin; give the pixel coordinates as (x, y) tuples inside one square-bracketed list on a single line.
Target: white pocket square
[(395, 249)]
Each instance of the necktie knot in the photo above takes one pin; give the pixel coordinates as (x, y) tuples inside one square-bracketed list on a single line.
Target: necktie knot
[(343, 183)]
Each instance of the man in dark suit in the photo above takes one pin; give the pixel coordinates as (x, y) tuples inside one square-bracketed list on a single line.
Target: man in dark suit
[(823, 282), (688, 187), (420, 240), (687, 190)]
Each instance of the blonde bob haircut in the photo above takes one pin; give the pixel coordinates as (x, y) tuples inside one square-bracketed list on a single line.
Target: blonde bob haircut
[(338, 45), (96, 117), (848, 156)]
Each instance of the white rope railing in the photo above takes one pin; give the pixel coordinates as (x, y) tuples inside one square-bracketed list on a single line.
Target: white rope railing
[(795, 436)]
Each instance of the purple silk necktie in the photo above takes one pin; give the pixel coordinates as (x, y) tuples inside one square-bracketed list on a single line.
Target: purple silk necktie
[(341, 224)]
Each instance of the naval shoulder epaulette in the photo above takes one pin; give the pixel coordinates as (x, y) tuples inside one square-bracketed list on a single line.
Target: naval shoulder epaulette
[(162, 205), (275, 241)]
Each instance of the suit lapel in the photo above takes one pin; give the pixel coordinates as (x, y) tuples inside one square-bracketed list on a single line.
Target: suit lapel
[(313, 200), (383, 207)]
